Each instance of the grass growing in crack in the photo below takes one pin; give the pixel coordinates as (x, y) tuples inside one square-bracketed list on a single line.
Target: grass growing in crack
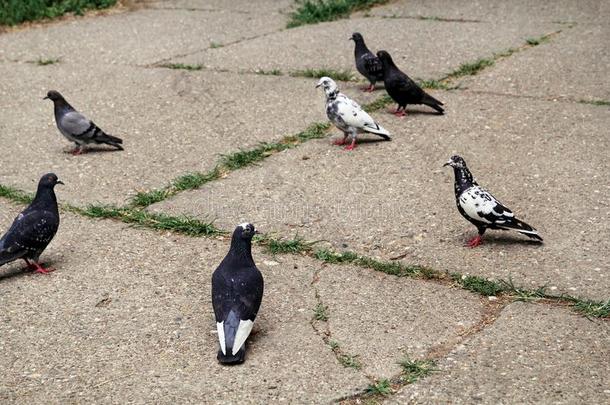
[(413, 370), (595, 102), (184, 225), (146, 198), (17, 11), (435, 85), (381, 387), (522, 294), (591, 308), (320, 312), (392, 268), (471, 69), (315, 11), (195, 180), (45, 62), (378, 104), (182, 66), (244, 158), (350, 361), (286, 246), (537, 41), (15, 195), (214, 45), (478, 284), (334, 345), (272, 72), (340, 75)]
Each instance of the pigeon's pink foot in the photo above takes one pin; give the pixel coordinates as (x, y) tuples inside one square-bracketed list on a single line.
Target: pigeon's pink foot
[(400, 114), (351, 146), (474, 242), (340, 142), (77, 151), (40, 269), (369, 89)]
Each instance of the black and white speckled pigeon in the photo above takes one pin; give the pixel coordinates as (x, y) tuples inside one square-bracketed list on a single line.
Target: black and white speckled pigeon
[(77, 128), (347, 115), (33, 228), (404, 90), (481, 208), (367, 63), (237, 292)]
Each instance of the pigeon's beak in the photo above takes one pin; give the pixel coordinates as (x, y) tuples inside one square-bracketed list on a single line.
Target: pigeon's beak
[(60, 182), (45, 98), (318, 85), (350, 39), (448, 163)]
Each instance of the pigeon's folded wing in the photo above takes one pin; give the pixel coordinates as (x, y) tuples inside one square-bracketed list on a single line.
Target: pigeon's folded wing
[(482, 206), (355, 116), (372, 64), (76, 124)]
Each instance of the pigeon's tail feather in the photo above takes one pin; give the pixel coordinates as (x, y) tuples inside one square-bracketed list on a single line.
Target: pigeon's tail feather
[(229, 358), (432, 102), (378, 130), (522, 228), (103, 137), (6, 257)]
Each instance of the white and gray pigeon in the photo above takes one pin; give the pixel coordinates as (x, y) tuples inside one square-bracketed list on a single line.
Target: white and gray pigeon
[(33, 228), (237, 292), (481, 208), (347, 115), (367, 63), (77, 128)]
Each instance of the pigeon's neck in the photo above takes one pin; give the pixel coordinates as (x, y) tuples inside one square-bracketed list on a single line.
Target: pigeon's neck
[(61, 107), (240, 253), (45, 199), (463, 180), (332, 95), (361, 48)]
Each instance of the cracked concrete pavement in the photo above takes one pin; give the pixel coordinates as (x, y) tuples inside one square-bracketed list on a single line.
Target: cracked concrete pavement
[(126, 317)]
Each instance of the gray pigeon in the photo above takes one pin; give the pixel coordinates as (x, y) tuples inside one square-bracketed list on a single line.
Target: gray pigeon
[(77, 128), (347, 115), (34, 228), (237, 292), (367, 63), (481, 208)]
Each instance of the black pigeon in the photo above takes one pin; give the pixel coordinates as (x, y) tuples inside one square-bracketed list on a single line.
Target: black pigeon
[(237, 291), (34, 228), (77, 128), (404, 90), (481, 208), (367, 63)]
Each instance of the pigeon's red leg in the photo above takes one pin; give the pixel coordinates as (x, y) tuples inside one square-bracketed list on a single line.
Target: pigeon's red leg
[(341, 141), (40, 269), (352, 145), (400, 113), (474, 242), (77, 151), (30, 265), (370, 89)]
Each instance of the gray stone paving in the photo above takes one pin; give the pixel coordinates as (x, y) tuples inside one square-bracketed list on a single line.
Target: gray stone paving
[(126, 317)]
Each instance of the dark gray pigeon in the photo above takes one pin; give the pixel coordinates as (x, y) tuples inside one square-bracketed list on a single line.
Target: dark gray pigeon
[(34, 228), (404, 90), (367, 63), (481, 208), (77, 128), (237, 292)]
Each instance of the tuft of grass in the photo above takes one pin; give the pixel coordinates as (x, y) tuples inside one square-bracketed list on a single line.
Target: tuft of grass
[(349, 361), (243, 158), (392, 268), (286, 246), (521, 294), (45, 62), (538, 40), (272, 72), (478, 284), (597, 309), (195, 180), (181, 66), (184, 225), (340, 75), (14, 12), (382, 387), (316, 130), (15, 195), (214, 45), (320, 312), (471, 69), (378, 104), (435, 85), (413, 370), (595, 102), (315, 11), (146, 198), (334, 345)]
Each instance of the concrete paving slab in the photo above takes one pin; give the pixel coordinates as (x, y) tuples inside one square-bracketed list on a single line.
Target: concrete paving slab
[(411, 317), (531, 354), (588, 11), (139, 38), (126, 317), (545, 160), (425, 49), (172, 122), (572, 65)]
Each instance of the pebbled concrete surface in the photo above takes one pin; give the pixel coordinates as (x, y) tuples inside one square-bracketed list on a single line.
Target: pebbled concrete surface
[(389, 199), (135, 324), (532, 353)]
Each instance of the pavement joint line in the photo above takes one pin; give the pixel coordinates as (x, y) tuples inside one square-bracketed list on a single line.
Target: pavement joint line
[(561, 99), (425, 18)]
